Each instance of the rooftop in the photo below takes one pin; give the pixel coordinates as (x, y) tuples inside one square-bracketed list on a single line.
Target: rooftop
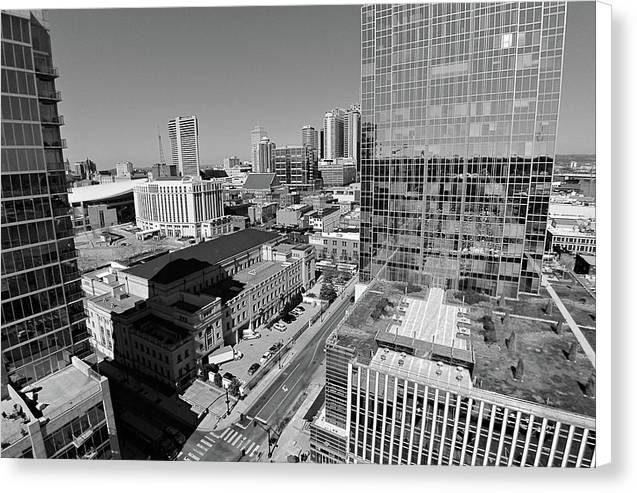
[(116, 304), (260, 181), (160, 331), (206, 253), (426, 328), (259, 272), (103, 191)]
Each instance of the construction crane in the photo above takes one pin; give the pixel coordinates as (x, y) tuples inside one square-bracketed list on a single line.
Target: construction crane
[(162, 158)]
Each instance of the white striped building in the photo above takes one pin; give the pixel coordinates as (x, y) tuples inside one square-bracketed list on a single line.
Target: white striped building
[(418, 385), (178, 207), (183, 132)]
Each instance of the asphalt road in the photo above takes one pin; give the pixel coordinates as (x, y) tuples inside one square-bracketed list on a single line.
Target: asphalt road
[(226, 445)]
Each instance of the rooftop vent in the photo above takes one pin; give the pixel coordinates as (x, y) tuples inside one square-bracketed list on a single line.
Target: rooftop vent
[(401, 362), (459, 377)]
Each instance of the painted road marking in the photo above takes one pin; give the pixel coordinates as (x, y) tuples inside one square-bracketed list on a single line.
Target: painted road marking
[(254, 451), (233, 434), (193, 456), (205, 449), (206, 442), (249, 449), (187, 458), (236, 439), (226, 431)]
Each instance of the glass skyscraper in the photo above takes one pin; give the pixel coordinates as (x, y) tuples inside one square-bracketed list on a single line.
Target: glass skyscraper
[(43, 321), (459, 106)]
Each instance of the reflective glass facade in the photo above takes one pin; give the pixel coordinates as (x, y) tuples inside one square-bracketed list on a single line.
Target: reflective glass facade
[(459, 108), (42, 313)]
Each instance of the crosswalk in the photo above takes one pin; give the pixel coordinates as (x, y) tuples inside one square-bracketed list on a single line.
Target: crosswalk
[(230, 436)]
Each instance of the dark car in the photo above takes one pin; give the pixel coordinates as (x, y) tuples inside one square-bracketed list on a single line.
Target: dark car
[(275, 347), (253, 369)]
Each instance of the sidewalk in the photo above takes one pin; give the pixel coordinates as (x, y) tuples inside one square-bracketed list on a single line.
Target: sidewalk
[(210, 422), (294, 438)]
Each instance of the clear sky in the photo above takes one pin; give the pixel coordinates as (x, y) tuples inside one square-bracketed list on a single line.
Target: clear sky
[(125, 72)]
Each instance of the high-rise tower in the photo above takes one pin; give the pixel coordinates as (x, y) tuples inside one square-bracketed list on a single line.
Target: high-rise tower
[(42, 315), (460, 104), (256, 135), (183, 132)]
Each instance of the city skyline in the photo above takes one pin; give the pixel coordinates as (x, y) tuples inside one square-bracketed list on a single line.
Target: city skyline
[(224, 85)]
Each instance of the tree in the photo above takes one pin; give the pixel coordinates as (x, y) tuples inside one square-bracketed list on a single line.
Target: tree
[(218, 381), (233, 388), (328, 292)]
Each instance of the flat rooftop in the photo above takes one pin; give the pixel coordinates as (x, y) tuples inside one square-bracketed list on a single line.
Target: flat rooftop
[(114, 304), (161, 331), (259, 272), (437, 333), (420, 369)]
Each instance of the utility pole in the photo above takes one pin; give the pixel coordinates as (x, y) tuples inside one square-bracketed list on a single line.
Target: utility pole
[(264, 424)]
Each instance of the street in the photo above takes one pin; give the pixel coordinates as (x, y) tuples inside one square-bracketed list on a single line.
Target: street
[(273, 406)]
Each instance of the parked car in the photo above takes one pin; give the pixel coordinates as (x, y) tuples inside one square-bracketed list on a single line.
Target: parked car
[(275, 347), (265, 357), (279, 326), (178, 436), (254, 335), (253, 368)]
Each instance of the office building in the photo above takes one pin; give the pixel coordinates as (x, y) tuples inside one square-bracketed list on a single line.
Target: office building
[(231, 162), (183, 132), (295, 165), (333, 133), (85, 170), (265, 153), (337, 172), (124, 169), (256, 135), (352, 134), (66, 415), (458, 142), (310, 138), (43, 319), (324, 220), (412, 379), (177, 207)]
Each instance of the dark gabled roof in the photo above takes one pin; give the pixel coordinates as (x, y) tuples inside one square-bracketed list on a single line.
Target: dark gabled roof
[(175, 265), (260, 181)]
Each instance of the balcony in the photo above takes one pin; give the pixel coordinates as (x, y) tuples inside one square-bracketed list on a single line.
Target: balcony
[(52, 120), (59, 144), (46, 71), (50, 95)]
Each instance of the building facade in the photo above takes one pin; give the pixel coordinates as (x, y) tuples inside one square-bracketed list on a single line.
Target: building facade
[(324, 220), (42, 315), (183, 132), (421, 385), (265, 162), (67, 415), (352, 134), (295, 165), (124, 169), (339, 246), (231, 162), (178, 207), (333, 133), (337, 172), (256, 135), (458, 142), (310, 138)]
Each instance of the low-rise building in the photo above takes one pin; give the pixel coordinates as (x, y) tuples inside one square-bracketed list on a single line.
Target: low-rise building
[(291, 215), (261, 188), (326, 220), (262, 212), (217, 227), (164, 316), (66, 415), (571, 235), (339, 245), (351, 193)]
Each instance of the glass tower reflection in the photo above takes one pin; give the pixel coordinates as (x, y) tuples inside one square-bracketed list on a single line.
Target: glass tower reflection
[(460, 104), (43, 320)]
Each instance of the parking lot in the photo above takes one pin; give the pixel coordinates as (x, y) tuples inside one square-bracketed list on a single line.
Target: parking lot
[(253, 349)]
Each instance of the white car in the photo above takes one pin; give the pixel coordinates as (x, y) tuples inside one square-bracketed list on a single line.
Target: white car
[(265, 357)]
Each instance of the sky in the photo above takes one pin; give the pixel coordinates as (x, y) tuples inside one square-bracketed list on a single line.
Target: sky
[(124, 73)]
